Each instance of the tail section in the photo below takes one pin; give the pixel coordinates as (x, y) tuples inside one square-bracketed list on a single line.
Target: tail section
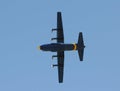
[(80, 46)]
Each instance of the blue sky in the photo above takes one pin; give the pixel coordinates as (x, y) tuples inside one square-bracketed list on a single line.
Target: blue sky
[(25, 24)]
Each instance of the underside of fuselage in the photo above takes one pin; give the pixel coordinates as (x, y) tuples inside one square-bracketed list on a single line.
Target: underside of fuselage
[(55, 47)]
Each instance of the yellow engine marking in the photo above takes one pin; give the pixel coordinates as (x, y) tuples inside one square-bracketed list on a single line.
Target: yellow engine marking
[(75, 47)]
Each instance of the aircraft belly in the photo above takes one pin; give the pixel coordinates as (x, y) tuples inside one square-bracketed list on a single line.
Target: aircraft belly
[(64, 47), (55, 49), (69, 47)]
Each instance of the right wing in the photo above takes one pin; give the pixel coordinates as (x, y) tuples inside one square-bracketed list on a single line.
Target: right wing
[(60, 66)]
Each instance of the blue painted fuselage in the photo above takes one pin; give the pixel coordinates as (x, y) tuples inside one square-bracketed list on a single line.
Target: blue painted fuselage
[(56, 47)]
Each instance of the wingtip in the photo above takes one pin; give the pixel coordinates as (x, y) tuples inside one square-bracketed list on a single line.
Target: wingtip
[(60, 82)]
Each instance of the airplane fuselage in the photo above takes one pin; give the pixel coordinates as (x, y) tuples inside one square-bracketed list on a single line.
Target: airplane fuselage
[(56, 47)]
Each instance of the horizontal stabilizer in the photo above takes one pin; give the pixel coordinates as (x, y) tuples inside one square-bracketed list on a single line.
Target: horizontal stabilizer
[(81, 46), (80, 53), (80, 39)]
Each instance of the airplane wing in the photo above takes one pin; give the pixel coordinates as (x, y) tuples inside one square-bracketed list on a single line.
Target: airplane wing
[(60, 54), (60, 34), (59, 29), (60, 66), (60, 39)]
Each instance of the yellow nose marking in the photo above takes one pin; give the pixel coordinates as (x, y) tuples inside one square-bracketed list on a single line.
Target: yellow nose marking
[(74, 46), (38, 47)]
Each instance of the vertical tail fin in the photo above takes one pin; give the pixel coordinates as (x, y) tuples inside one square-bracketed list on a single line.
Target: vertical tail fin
[(81, 46)]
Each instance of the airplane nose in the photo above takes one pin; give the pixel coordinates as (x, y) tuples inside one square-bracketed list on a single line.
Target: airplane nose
[(39, 48)]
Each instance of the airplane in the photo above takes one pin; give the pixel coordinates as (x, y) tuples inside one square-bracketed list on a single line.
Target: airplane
[(60, 47)]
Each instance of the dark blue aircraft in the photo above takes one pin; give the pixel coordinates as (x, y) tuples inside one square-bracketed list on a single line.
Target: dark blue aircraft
[(60, 47)]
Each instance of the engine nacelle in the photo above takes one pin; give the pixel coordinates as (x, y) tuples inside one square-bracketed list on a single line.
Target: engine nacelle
[(54, 29), (54, 56), (54, 65), (54, 38)]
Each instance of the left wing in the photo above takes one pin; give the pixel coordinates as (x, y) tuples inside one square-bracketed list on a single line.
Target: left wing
[(60, 34)]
